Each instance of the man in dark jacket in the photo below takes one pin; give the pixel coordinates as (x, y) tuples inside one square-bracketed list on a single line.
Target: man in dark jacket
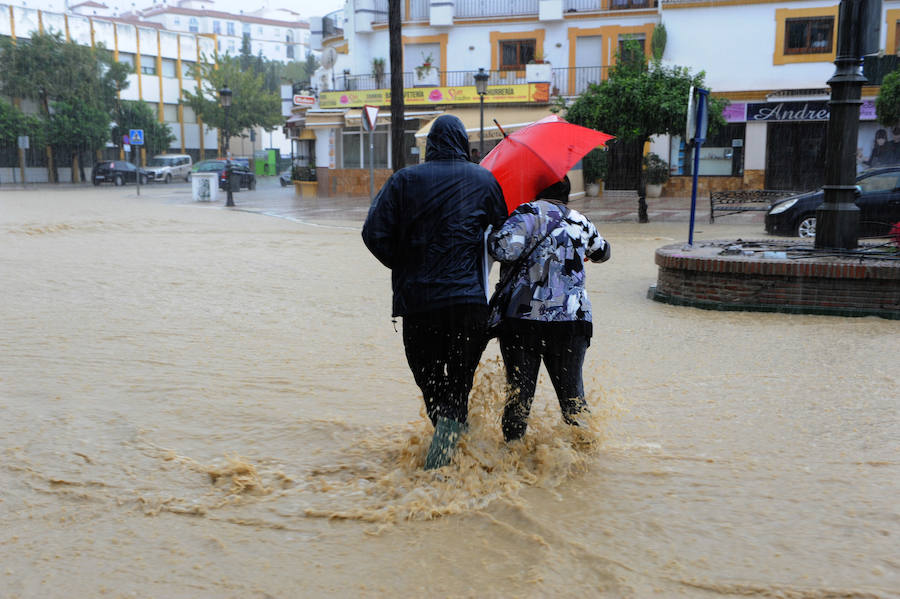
[(427, 225)]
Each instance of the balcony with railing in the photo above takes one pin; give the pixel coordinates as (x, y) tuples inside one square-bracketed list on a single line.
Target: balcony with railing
[(420, 10), (333, 24), (564, 81)]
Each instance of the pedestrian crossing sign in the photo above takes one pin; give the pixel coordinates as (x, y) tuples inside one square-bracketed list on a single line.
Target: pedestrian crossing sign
[(137, 136)]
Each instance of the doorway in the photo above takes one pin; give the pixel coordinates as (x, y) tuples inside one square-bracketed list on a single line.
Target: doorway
[(795, 156)]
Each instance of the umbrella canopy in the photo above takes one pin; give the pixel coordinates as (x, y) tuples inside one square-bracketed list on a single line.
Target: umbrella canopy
[(537, 156)]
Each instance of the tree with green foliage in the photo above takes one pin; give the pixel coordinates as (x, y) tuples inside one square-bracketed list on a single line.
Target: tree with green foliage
[(252, 104), (301, 71), (138, 115), (637, 101), (77, 82), (887, 104)]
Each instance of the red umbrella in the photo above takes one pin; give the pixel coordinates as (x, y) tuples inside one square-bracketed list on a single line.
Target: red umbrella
[(539, 155)]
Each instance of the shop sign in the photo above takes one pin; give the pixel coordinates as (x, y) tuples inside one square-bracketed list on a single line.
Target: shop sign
[(418, 96), (301, 100), (816, 110)]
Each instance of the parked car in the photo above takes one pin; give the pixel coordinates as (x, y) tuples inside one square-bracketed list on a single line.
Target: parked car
[(166, 167), (118, 172), (241, 175), (285, 178), (877, 196)]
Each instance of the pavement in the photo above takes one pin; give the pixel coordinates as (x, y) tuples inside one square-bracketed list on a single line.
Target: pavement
[(271, 199)]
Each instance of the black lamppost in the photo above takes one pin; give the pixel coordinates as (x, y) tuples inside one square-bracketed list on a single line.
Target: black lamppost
[(857, 31), (481, 79), (225, 99)]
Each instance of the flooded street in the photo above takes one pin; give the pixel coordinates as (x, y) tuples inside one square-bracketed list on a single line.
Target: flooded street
[(201, 402)]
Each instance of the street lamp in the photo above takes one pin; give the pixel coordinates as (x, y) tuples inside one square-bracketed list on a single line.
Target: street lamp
[(225, 99), (481, 79)]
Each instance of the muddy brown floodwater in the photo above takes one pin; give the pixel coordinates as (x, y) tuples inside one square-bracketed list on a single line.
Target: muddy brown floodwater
[(197, 402)]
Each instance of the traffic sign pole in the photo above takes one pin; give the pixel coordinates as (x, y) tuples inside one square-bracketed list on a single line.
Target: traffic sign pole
[(137, 140)]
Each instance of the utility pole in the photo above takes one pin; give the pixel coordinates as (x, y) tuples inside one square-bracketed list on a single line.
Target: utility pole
[(398, 157), (837, 219)]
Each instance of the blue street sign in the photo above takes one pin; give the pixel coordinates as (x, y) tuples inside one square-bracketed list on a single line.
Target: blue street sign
[(137, 136)]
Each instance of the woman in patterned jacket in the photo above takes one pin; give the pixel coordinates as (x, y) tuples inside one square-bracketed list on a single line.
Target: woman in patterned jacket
[(549, 314)]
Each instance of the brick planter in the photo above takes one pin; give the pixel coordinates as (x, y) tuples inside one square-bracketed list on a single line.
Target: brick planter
[(771, 276)]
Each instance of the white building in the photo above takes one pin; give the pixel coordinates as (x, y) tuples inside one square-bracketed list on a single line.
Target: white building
[(570, 43), (162, 61), (276, 34), (755, 54), (773, 62)]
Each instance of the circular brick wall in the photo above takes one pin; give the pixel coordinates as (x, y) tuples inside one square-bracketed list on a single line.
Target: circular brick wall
[(779, 276)]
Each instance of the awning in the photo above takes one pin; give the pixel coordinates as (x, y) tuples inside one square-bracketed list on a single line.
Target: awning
[(384, 116), (325, 118), (511, 118)]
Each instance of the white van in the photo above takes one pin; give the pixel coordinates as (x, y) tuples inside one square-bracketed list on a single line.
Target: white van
[(166, 167)]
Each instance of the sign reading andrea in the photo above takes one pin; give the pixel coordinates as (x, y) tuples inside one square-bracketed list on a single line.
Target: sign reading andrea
[(816, 110)]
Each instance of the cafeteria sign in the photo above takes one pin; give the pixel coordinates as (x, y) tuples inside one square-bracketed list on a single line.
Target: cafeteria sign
[(419, 96)]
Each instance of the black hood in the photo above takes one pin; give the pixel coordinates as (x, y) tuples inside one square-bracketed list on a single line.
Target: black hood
[(447, 140)]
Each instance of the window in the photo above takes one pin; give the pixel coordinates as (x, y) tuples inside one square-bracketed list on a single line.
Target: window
[(148, 65), (126, 58), (897, 38), (193, 25), (189, 115), (882, 182), (231, 46), (809, 36), (186, 68), (170, 113), (245, 29), (290, 51), (176, 21), (168, 68), (217, 27), (230, 26), (722, 154), (624, 52), (805, 35), (515, 54)]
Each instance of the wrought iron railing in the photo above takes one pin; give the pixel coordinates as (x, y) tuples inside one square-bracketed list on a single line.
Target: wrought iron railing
[(419, 10), (493, 8), (333, 24), (564, 81)]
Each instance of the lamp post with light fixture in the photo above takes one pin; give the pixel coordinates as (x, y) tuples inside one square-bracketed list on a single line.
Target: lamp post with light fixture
[(481, 79), (225, 100)]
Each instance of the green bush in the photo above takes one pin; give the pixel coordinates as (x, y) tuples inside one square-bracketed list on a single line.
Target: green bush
[(303, 173), (596, 166), (655, 169)]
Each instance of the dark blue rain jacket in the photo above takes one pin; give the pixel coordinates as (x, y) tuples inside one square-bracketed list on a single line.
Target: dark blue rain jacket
[(427, 224)]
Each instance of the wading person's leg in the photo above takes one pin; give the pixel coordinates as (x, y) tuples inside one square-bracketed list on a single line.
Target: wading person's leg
[(465, 341), (426, 345), (522, 359), (564, 365)]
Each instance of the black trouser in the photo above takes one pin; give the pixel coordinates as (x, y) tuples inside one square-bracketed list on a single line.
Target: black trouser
[(443, 349), (563, 355)]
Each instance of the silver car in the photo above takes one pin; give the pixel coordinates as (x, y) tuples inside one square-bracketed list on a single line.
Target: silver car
[(166, 167)]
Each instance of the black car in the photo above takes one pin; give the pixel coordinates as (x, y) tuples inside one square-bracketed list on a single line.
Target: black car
[(877, 196), (118, 172), (241, 176)]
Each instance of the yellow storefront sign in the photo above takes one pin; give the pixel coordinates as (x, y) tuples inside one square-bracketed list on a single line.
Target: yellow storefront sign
[(419, 96)]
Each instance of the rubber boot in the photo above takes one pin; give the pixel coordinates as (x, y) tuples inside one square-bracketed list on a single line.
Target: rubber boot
[(443, 443)]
